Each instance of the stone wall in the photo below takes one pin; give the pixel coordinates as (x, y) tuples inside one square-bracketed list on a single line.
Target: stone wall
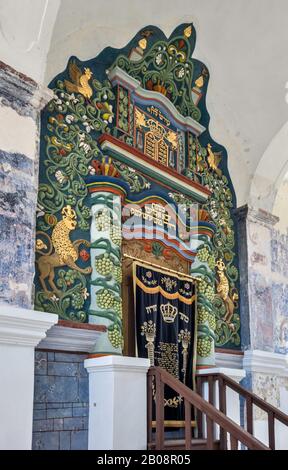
[(61, 399), (268, 283), (20, 103)]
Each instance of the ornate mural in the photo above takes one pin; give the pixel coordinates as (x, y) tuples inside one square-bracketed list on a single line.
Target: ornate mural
[(133, 123)]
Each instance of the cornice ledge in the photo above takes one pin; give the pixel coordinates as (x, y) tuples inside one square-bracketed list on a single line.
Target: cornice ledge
[(265, 362), (63, 338), (23, 327)]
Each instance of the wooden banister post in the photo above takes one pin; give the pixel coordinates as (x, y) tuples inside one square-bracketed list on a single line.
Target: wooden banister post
[(199, 413), (271, 430), (188, 433), (149, 408), (249, 414), (210, 433), (222, 407), (159, 412)]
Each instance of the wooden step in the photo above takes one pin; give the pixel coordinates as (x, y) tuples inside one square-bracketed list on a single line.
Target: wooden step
[(179, 444)]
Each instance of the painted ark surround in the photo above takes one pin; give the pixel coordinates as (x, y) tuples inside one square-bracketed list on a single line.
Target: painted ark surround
[(127, 125), (231, 44)]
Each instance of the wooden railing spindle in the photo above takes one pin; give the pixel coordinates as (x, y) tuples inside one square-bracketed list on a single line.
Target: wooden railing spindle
[(210, 433), (222, 407), (249, 414), (188, 432), (233, 442), (149, 407), (159, 412), (271, 430), (199, 414)]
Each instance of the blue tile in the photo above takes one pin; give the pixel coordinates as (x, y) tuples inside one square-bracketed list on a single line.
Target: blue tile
[(74, 424), (65, 440), (67, 357), (40, 414), (81, 411), (43, 425), (82, 371), (56, 389), (40, 363), (58, 424), (59, 413), (83, 390), (79, 440), (39, 406), (63, 369), (45, 441)]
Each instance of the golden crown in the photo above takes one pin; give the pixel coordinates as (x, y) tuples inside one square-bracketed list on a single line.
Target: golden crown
[(68, 212), (169, 312)]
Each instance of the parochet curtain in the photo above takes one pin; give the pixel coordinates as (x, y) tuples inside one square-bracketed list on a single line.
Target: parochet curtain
[(165, 311)]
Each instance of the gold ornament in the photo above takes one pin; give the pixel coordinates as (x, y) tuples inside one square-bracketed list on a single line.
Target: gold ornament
[(65, 251), (188, 31), (79, 81), (143, 43), (223, 290)]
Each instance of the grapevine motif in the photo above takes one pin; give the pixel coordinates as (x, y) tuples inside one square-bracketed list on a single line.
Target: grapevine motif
[(71, 125)]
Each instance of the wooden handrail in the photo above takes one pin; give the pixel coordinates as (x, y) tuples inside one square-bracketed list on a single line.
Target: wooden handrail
[(264, 405), (213, 415), (251, 399)]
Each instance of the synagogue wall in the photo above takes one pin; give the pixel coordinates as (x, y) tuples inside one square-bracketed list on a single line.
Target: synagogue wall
[(61, 398), (268, 283)]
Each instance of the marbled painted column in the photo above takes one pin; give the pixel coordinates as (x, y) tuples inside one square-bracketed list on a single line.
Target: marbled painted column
[(21, 100), (106, 277), (204, 269)]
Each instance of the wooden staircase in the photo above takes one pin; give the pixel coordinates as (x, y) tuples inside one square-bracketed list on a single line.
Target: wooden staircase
[(214, 430)]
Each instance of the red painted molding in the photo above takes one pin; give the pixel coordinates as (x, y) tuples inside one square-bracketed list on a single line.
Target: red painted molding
[(109, 138), (82, 326)]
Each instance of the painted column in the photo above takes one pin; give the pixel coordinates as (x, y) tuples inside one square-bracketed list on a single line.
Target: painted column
[(106, 277), (203, 268), (20, 332)]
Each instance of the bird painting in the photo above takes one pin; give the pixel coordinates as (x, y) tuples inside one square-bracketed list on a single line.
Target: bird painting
[(214, 158), (79, 81)]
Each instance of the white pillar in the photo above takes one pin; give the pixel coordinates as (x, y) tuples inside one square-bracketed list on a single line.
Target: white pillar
[(117, 403), (20, 332)]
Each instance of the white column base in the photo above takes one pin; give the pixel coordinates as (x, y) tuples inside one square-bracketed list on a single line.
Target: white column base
[(20, 332), (117, 403)]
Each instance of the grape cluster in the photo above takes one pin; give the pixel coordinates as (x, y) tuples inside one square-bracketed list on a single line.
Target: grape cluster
[(212, 322), (207, 290), (114, 336), (211, 262), (117, 307), (204, 346), (103, 220), (116, 235), (117, 273), (104, 265), (203, 315), (203, 255), (105, 299)]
